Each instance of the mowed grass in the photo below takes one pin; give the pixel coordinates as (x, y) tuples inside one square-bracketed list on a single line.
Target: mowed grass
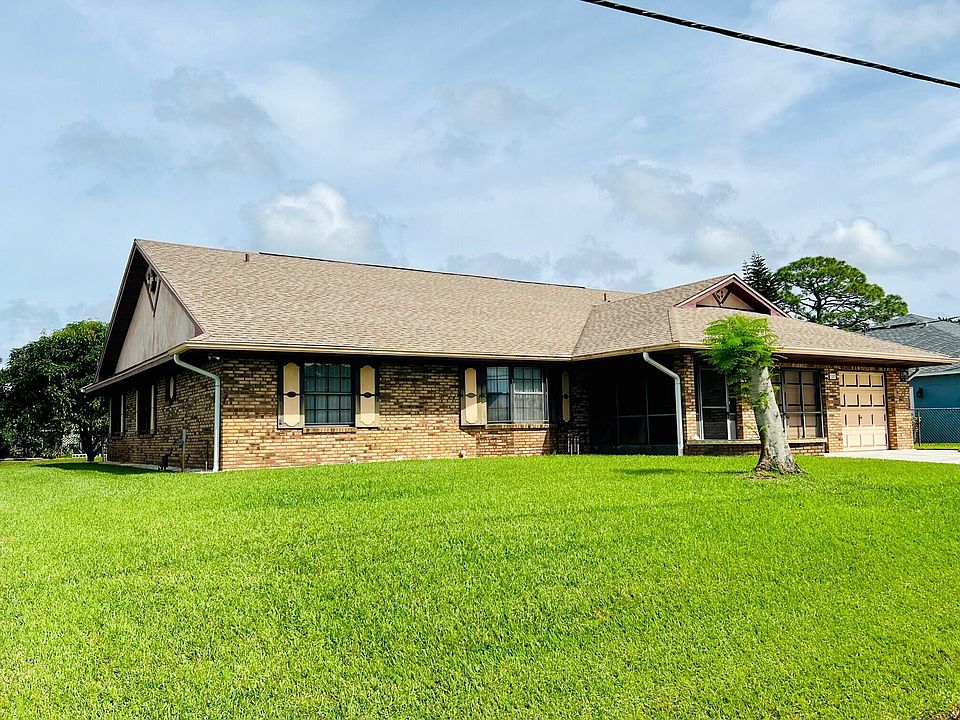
[(546, 587), (938, 446)]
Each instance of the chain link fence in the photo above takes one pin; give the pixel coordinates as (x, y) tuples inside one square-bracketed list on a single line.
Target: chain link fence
[(936, 425)]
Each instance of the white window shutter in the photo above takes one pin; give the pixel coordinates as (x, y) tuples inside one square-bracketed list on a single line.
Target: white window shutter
[(565, 396), (290, 413), (473, 406), (367, 400)]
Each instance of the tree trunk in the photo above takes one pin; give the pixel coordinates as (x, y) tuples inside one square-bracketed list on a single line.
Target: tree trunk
[(88, 445), (775, 455)]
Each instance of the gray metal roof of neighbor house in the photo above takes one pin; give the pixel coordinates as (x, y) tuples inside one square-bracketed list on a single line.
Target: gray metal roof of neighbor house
[(927, 333), (264, 302)]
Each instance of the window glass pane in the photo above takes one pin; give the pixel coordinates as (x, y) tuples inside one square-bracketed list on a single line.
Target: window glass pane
[(713, 388), (714, 423), (327, 394), (528, 408), (498, 394)]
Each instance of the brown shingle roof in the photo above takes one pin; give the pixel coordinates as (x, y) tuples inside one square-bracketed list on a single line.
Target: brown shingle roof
[(304, 302), (271, 302), (797, 337)]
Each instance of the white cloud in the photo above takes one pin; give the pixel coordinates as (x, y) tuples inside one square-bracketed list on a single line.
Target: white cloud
[(724, 246), (483, 119), (597, 264), (231, 132), (22, 320), (592, 263), (928, 24), (661, 199), (867, 246), (320, 223), (88, 144), (305, 106), (669, 203)]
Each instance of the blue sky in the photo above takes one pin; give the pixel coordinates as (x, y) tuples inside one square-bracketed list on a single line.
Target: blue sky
[(546, 140)]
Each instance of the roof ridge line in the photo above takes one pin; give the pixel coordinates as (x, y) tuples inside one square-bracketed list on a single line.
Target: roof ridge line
[(267, 253)]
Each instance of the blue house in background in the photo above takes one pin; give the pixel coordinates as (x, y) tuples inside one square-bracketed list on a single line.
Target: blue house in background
[(935, 391)]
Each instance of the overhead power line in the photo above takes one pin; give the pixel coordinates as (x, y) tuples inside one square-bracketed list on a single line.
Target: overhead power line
[(771, 43)]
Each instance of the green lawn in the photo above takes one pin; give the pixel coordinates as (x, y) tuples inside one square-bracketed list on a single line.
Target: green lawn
[(557, 587), (938, 446)]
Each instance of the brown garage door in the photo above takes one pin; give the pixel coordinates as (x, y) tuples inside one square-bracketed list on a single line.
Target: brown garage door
[(863, 402)]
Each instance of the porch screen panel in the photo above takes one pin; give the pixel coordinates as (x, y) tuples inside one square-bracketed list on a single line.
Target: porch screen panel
[(632, 408)]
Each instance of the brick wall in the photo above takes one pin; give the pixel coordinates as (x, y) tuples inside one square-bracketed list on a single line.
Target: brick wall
[(192, 409), (419, 417), (685, 367), (899, 415)]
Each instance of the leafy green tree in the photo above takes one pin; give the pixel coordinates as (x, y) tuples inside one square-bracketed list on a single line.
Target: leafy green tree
[(41, 396), (762, 279), (829, 291), (742, 348)]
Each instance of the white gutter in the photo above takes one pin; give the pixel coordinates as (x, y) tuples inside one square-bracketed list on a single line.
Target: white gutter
[(678, 396), (216, 406)]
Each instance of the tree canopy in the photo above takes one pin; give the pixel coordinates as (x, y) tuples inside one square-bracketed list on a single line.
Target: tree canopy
[(41, 399), (829, 291), (762, 279)]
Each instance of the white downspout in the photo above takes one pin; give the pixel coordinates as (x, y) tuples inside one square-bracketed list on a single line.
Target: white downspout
[(678, 395), (216, 406)]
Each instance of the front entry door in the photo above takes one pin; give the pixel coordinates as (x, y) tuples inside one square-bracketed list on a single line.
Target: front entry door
[(718, 412), (863, 402)]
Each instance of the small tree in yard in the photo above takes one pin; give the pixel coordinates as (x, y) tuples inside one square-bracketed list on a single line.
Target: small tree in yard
[(742, 348), (40, 390)]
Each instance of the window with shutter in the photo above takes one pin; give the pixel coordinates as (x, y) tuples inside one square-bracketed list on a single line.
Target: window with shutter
[(516, 394)]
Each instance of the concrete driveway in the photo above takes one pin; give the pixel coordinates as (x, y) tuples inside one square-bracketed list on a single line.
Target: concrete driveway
[(950, 457)]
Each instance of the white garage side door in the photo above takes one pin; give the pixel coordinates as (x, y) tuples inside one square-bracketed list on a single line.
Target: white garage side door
[(863, 402)]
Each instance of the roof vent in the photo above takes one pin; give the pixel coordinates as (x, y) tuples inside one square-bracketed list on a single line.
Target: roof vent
[(246, 257)]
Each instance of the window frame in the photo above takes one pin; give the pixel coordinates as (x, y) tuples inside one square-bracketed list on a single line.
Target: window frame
[(351, 393), (151, 388), (731, 406), (785, 414), (512, 393), (117, 413)]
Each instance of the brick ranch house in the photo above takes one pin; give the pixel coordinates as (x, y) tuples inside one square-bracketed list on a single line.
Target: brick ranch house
[(226, 359)]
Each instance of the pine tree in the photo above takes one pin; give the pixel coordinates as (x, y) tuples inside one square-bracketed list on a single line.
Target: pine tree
[(762, 279)]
